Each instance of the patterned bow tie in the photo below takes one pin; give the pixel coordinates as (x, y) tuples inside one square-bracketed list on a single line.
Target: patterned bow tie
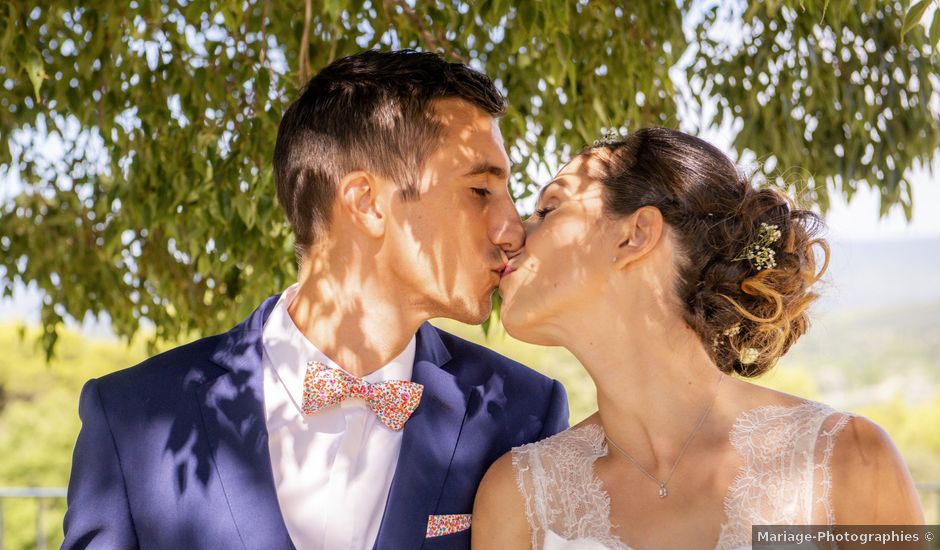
[(393, 401)]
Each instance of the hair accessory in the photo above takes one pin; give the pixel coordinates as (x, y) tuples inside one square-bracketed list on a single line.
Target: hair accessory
[(611, 135), (759, 252), (748, 356), (729, 332)]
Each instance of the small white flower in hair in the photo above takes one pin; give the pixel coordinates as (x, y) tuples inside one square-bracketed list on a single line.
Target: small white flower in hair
[(729, 332), (611, 135), (759, 252), (748, 356)]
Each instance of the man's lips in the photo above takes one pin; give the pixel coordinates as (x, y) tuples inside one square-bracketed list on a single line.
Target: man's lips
[(506, 271)]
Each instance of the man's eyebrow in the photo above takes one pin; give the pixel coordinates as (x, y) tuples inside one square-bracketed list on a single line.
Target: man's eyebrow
[(558, 182), (485, 168)]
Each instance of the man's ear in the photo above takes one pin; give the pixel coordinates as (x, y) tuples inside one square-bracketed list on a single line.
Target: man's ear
[(641, 232), (358, 197)]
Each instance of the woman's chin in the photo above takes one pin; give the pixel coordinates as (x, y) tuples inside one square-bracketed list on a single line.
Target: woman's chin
[(520, 323), (509, 315)]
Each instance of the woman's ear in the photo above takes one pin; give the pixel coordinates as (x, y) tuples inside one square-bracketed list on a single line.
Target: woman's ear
[(358, 197), (641, 232)]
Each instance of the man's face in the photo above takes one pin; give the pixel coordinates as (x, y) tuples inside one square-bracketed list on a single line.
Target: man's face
[(450, 246)]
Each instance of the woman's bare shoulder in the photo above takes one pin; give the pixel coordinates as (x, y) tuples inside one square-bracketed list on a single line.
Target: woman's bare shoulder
[(870, 481), (499, 519), (593, 420)]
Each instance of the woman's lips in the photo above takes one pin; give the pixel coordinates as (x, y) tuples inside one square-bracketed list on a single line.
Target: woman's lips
[(506, 271)]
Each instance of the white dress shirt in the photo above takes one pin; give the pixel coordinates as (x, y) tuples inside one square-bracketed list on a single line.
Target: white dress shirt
[(332, 469)]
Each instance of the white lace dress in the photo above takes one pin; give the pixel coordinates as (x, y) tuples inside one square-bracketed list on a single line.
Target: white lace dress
[(784, 479)]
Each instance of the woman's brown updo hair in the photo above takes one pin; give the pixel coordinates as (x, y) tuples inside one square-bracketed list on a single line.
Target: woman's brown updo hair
[(746, 316)]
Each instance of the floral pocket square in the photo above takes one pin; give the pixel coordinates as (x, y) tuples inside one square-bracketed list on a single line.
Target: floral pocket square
[(439, 526)]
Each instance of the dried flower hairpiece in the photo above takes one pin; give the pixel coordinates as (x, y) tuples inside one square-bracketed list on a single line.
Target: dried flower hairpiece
[(733, 330), (610, 136), (759, 252), (749, 356)]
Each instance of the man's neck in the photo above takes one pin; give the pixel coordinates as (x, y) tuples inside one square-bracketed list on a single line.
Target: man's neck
[(352, 318)]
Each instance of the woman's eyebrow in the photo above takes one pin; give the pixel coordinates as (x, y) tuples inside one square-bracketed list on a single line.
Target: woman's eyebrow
[(559, 182)]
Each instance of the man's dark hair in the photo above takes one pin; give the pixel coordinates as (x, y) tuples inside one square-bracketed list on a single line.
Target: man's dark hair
[(370, 111)]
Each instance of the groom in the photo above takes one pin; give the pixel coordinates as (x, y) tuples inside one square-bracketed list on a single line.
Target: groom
[(335, 416)]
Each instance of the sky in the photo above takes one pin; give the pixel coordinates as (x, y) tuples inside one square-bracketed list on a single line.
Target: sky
[(859, 221)]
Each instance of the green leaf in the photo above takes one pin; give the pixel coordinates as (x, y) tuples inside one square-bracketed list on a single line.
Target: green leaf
[(264, 83), (36, 72), (599, 110), (333, 8), (935, 29), (527, 13), (913, 16)]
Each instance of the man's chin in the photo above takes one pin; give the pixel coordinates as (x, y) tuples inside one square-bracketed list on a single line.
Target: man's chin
[(481, 314), (473, 311)]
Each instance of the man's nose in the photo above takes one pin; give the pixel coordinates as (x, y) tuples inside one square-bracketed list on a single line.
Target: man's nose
[(506, 228)]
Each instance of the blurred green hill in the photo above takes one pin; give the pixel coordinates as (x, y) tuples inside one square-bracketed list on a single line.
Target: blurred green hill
[(39, 420)]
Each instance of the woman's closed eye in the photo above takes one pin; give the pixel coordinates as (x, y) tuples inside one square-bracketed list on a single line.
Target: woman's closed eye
[(542, 212)]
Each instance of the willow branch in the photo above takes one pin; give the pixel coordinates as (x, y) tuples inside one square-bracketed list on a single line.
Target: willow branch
[(304, 69), (264, 29), (435, 43)]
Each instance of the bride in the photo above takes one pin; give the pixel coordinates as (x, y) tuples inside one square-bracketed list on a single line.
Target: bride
[(673, 280)]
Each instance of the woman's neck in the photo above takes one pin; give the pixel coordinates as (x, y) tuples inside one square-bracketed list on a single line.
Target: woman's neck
[(654, 381)]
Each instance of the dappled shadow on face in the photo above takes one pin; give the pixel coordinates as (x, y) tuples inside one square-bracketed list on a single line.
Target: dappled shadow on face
[(563, 275), (458, 234)]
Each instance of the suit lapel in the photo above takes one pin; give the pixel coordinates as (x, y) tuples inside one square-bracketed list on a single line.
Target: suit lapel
[(427, 448), (233, 413)]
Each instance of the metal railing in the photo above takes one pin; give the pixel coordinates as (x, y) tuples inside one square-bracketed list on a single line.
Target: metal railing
[(932, 489), (42, 495)]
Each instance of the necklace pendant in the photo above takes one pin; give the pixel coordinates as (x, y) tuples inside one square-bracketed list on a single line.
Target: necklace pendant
[(662, 490)]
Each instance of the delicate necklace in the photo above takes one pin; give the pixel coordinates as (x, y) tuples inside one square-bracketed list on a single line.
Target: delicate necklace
[(662, 483)]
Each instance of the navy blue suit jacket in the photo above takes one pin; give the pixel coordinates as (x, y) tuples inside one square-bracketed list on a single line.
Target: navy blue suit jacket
[(173, 453)]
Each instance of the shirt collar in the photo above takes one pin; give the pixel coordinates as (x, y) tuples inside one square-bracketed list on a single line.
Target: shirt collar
[(289, 350)]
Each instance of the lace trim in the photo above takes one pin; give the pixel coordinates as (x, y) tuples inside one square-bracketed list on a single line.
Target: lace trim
[(556, 479), (520, 463), (783, 449), (825, 498), (777, 478)]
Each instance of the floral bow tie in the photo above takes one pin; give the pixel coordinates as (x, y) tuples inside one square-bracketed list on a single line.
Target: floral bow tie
[(393, 401)]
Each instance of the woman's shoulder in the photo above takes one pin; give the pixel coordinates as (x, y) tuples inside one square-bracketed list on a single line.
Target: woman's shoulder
[(770, 422), (505, 506), (862, 446), (870, 481), (499, 509), (763, 411), (856, 457), (584, 440)]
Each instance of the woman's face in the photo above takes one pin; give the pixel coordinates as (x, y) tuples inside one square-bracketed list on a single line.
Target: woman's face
[(567, 258)]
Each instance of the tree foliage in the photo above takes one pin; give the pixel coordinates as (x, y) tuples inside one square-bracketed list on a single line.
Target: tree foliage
[(139, 134)]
